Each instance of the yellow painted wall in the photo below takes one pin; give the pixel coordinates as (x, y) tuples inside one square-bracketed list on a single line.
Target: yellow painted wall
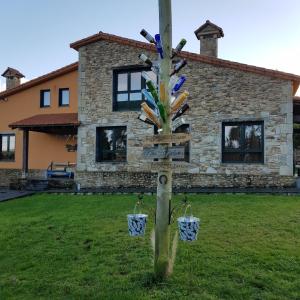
[(43, 148)]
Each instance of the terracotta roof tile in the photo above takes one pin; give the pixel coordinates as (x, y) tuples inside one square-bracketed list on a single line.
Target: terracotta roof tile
[(12, 72), (39, 80), (188, 55), (44, 120)]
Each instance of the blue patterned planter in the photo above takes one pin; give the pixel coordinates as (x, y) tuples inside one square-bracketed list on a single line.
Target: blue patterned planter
[(137, 224), (188, 228)]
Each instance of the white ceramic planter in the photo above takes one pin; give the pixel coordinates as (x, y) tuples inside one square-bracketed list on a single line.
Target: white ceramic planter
[(188, 228), (137, 224)]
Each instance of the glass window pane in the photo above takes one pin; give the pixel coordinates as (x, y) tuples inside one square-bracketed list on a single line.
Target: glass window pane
[(232, 137), (107, 139), (122, 97), (120, 137), (120, 155), (135, 96), (122, 82), (12, 143), (232, 157), (65, 97), (4, 143), (253, 137), (46, 98), (183, 129), (108, 155), (253, 157), (136, 80), (113, 144)]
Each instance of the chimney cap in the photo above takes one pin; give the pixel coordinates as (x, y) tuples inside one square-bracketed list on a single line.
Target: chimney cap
[(209, 28), (11, 72)]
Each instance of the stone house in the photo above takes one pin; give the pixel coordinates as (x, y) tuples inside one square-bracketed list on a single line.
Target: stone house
[(240, 117)]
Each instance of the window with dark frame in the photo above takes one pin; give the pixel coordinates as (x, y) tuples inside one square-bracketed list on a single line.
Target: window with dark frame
[(243, 142), (127, 87), (64, 97), (111, 144), (45, 98), (184, 128), (7, 147)]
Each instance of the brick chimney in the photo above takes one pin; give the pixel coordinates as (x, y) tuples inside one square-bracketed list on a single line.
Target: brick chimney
[(13, 78), (208, 35)]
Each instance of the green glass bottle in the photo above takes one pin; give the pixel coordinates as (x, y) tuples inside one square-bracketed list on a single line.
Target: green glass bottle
[(152, 90), (162, 111), (178, 47)]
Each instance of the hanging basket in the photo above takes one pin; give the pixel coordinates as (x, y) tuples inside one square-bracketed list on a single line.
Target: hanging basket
[(188, 227), (137, 222)]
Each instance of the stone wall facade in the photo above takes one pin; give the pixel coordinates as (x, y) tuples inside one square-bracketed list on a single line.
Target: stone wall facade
[(217, 94), (147, 180), (9, 176)]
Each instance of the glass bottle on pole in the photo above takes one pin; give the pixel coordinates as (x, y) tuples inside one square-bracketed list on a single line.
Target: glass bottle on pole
[(178, 48), (147, 36)]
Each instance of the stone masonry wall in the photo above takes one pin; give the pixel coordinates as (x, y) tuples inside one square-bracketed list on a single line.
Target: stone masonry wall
[(183, 180), (7, 176), (217, 94)]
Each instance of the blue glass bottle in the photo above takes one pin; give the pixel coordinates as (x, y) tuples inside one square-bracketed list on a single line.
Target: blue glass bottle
[(159, 45), (149, 99), (178, 84)]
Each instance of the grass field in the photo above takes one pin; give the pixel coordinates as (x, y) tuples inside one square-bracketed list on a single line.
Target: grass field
[(77, 247)]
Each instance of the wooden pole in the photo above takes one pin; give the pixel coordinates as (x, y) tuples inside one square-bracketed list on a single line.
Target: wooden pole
[(25, 153), (164, 180)]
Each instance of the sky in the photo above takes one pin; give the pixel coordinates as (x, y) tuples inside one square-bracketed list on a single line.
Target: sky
[(35, 34)]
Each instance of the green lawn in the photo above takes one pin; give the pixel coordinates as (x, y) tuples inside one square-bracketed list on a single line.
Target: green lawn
[(77, 247)]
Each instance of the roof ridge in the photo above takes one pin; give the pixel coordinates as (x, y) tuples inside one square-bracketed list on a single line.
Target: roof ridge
[(189, 55), (61, 71)]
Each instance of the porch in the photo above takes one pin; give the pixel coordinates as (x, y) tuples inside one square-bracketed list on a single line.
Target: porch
[(61, 128)]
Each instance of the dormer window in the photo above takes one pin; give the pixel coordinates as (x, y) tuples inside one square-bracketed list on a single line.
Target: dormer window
[(45, 100)]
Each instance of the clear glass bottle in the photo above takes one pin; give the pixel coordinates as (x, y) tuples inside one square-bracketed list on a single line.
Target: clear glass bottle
[(145, 59), (178, 66), (147, 36)]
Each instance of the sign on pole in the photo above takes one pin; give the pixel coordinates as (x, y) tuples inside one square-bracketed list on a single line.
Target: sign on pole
[(158, 166), (167, 139), (163, 152)]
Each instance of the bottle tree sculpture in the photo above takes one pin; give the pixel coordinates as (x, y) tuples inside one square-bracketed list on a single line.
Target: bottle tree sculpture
[(163, 104)]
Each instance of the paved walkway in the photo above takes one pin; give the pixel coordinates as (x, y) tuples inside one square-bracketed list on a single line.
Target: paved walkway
[(6, 194)]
